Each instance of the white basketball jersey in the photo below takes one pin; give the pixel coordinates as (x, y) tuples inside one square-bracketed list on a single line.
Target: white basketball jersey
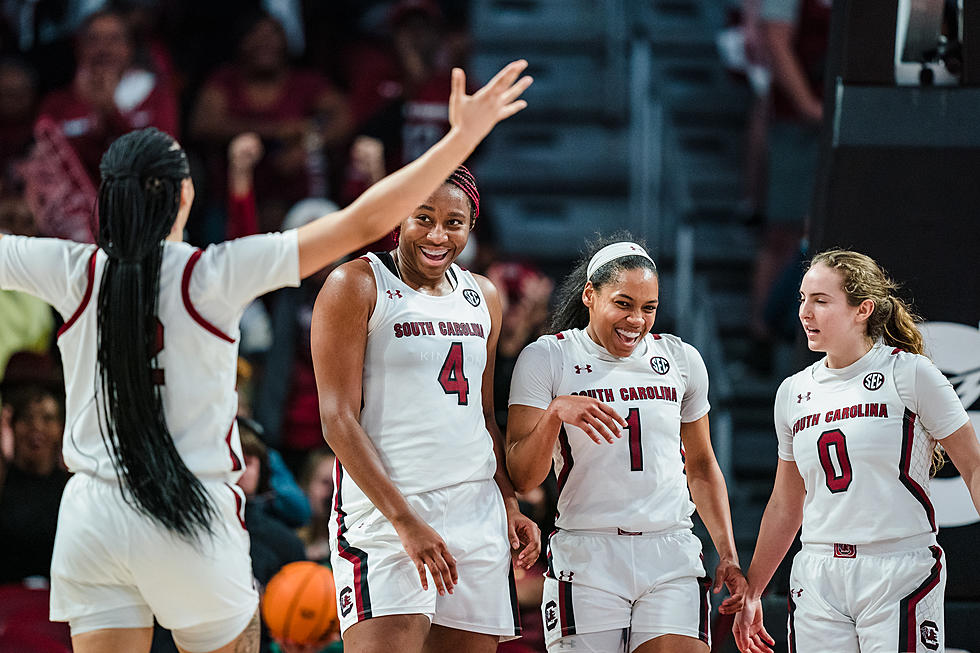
[(863, 438), (637, 483), (423, 386), (202, 296)]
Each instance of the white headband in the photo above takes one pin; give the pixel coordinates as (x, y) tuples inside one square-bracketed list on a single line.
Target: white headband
[(614, 251)]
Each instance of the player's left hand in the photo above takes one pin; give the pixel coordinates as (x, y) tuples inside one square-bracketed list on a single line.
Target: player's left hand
[(525, 538), (728, 574)]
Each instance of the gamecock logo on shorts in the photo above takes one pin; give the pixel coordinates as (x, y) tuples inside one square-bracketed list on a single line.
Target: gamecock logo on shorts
[(346, 602), (929, 634), (472, 296), (874, 380), (550, 615), (659, 364)]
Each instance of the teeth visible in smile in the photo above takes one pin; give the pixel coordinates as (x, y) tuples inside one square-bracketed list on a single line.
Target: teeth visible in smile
[(629, 335), (439, 253)]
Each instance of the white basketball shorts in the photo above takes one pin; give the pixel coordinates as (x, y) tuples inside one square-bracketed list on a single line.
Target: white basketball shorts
[(651, 584), (870, 598), (113, 567), (375, 577)]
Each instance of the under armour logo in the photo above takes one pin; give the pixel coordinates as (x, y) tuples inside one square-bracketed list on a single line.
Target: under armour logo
[(801, 398), (565, 576), (797, 593), (579, 368), (393, 294)]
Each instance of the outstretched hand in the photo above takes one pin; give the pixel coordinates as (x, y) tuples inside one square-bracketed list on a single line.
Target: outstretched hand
[(477, 114), (750, 633)]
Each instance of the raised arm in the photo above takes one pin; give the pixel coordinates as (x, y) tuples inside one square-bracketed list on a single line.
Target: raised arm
[(338, 337), (780, 522), (524, 534), (386, 203)]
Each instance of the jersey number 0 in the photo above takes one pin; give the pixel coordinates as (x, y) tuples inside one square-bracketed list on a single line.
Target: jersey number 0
[(839, 475)]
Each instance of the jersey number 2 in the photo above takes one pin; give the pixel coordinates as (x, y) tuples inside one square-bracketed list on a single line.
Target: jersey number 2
[(839, 474), (451, 376)]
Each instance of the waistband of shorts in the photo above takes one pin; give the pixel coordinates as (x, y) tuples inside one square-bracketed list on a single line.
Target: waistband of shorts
[(845, 550), (623, 532)]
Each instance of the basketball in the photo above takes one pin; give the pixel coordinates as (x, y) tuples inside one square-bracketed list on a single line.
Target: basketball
[(299, 604)]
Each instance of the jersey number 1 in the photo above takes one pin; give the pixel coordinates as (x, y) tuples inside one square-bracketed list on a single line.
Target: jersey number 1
[(839, 475), (636, 447), (451, 376)]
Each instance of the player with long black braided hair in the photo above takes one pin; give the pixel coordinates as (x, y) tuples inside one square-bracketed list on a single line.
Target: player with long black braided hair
[(150, 524)]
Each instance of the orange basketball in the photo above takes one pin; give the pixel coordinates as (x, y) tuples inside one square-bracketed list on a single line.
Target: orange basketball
[(299, 604)]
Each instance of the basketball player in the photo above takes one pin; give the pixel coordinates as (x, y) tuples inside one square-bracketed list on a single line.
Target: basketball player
[(425, 514), (623, 414), (857, 433), (150, 524)]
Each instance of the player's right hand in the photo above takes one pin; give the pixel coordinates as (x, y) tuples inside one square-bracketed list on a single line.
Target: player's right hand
[(477, 114), (427, 549), (598, 420), (750, 633)]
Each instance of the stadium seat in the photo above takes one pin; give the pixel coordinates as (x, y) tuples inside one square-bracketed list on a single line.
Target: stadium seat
[(531, 156), (24, 624)]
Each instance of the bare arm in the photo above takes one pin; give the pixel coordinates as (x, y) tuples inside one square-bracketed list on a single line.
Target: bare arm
[(532, 432), (710, 495), (786, 69), (338, 337), (386, 203), (780, 522), (521, 530), (964, 450)]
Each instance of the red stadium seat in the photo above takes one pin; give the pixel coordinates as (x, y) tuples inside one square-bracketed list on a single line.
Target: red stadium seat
[(24, 625)]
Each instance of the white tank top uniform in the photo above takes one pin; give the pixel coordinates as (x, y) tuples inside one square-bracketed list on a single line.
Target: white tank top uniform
[(423, 411), (862, 438), (202, 296), (624, 555)]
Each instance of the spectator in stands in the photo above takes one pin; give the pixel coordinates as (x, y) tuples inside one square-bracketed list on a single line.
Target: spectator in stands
[(31, 483), (795, 35), (398, 95), (295, 112), (109, 95), (273, 543), (317, 482), (286, 398), (18, 108), (525, 297), (26, 322)]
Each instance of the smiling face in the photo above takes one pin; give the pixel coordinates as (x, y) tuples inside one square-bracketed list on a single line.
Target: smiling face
[(623, 310), (434, 235), (830, 322)]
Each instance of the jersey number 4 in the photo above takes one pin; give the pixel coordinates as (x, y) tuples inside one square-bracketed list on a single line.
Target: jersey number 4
[(451, 376), (832, 449)]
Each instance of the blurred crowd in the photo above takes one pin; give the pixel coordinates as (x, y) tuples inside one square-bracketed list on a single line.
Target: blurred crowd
[(287, 109)]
